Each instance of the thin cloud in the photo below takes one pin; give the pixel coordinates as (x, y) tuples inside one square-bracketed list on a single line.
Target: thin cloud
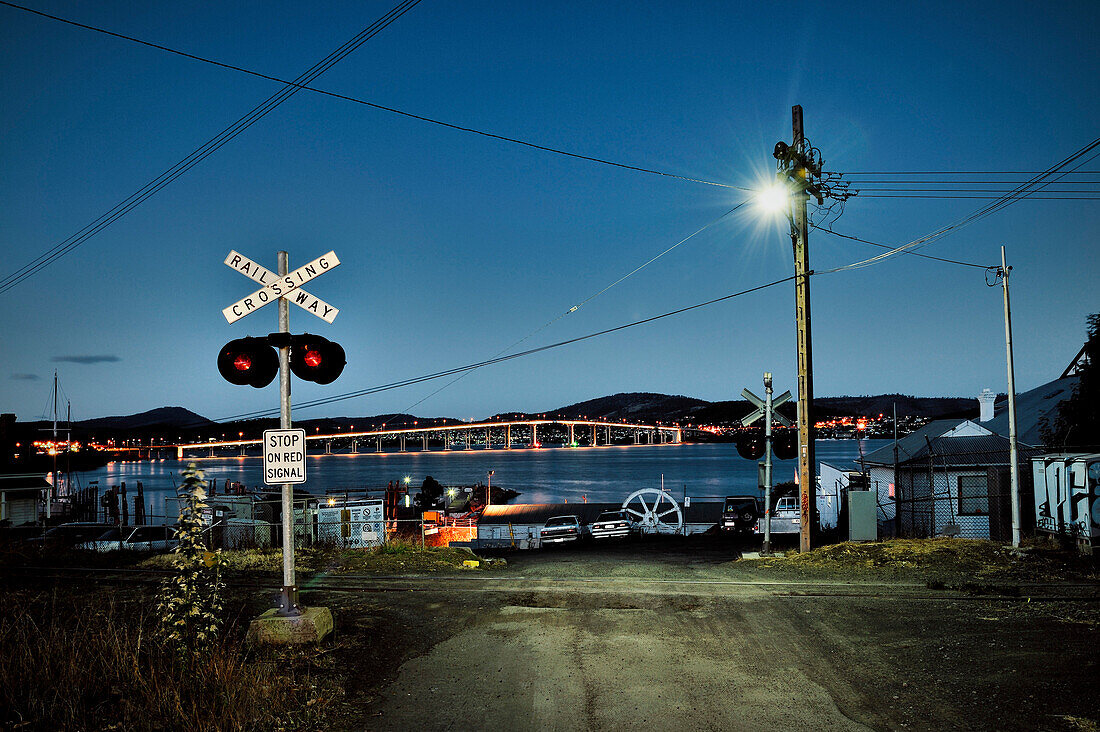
[(25, 377), (86, 359)]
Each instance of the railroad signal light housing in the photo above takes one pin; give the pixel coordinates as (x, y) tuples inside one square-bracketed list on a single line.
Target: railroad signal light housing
[(248, 361), (785, 444), (255, 361), (750, 445), (317, 359)]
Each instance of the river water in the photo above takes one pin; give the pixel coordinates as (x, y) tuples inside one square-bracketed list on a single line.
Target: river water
[(544, 475)]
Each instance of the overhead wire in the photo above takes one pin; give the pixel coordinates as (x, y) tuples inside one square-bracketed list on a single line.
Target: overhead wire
[(201, 153), (300, 84), (356, 100), (892, 247), (982, 198), (500, 359), (580, 304), (1026, 189), (945, 172)]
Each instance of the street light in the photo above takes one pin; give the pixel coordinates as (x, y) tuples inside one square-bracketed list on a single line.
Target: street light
[(489, 490), (774, 198)]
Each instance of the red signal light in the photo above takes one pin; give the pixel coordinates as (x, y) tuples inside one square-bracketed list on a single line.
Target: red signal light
[(248, 361), (317, 359)]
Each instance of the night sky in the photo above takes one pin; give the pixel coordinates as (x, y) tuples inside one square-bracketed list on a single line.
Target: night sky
[(456, 246)]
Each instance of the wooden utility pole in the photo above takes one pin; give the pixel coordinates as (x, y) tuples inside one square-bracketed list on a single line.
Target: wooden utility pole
[(800, 239)]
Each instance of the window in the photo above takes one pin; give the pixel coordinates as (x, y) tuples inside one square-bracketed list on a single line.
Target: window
[(973, 496)]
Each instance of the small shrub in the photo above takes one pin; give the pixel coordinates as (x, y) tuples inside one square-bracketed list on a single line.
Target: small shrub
[(190, 603)]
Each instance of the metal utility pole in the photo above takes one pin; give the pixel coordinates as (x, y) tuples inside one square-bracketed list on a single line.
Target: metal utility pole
[(897, 481), (767, 547), (1013, 467), (289, 597)]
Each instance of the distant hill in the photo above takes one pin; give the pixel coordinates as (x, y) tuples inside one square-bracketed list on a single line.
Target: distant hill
[(634, 407), (650, 407), (644, 407), (162, 417), (908, 406)]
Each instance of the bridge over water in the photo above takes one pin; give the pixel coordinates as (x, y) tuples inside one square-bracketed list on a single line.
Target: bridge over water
[(517, 434)]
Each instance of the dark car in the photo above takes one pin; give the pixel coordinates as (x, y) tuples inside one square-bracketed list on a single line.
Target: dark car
[(739, 514), (134, 538), (612, 525), (64, 536), (561, 529)]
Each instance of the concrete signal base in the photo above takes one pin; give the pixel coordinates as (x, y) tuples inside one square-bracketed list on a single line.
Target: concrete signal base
[(277, 630)]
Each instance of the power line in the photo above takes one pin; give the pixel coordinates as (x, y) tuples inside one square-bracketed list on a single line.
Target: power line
[(121, 209), (1024, 190), (578, 306), (949, 172), (947, 182), (500, 359), (392, 110), (860, 189), (981, 198), (888, 246)]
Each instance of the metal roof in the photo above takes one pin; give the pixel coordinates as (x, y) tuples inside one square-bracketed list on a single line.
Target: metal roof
[(913, 444), (1031, 407), (949, 451), (25, 482)]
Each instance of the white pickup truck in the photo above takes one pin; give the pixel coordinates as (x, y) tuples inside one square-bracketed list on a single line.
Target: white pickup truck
[(786, 519)]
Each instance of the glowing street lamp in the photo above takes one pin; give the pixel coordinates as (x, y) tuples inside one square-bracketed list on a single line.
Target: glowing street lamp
[(774, 198)]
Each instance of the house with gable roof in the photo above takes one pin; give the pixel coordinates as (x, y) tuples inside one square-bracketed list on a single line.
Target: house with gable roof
[(952, 479)]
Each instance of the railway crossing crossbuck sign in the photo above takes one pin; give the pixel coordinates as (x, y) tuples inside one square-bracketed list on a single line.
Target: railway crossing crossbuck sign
[(288, 286)]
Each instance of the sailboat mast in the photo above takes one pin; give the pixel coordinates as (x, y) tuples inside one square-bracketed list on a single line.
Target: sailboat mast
[(51, 491)]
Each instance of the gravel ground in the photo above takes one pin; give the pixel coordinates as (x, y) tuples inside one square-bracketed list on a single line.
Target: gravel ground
[(681, 636)]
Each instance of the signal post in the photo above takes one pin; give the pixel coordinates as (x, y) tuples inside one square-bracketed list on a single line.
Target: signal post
[(253, 361)]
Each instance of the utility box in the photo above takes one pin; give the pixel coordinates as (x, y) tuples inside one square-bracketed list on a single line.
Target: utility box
[(862, 518), (1067, 497)]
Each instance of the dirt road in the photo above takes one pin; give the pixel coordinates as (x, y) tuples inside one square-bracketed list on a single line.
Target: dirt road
[(575, 640)]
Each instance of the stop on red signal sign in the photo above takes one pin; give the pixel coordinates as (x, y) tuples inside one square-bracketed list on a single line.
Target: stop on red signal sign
[(284, 456)]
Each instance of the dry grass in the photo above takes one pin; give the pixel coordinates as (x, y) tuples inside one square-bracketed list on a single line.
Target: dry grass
[(92, 661), (967, 559), (955, 554), (395, 557)]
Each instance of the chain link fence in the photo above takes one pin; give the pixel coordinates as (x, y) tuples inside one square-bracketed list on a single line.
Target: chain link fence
[(963, 494)]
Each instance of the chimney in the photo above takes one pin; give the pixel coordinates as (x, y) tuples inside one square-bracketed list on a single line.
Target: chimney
[(985, 405)]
